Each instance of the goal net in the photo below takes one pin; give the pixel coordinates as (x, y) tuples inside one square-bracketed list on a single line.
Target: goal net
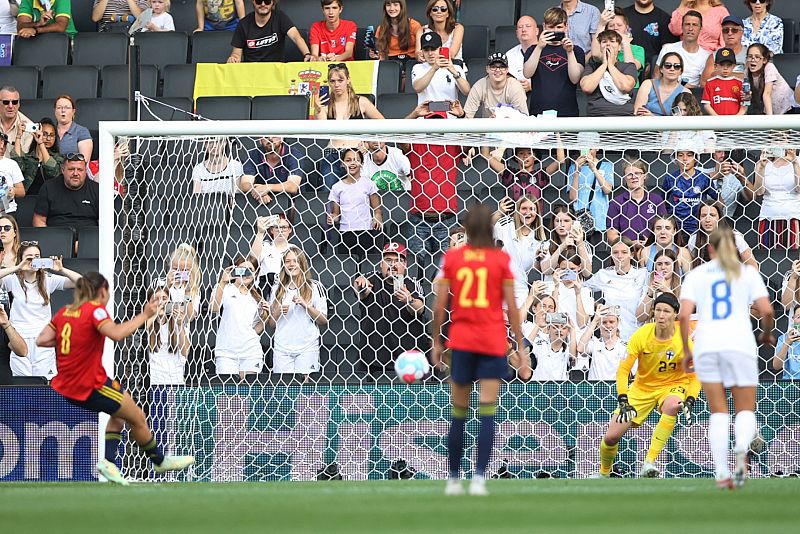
[(254, 399)]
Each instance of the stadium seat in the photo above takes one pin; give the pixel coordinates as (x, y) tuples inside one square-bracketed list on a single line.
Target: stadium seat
[(78, 81), (184, 14), (82, 17), (211, 47), (82, 265), (291, 53), (409, 88), (790, 36), (303, 14), (46, 49), (89, 242), (388, 77), (25, 79), (53, 241), (476, 42), (166, 112), (90, 111), (789, 67), (501, 13), (178, 80), (505, 38), (224, 107), (416, 10), (162, 48), (476, 69), (100, 49), (280, 107), (115, 81), (24, 213), (359, 50), (397, 105), (36, 109)]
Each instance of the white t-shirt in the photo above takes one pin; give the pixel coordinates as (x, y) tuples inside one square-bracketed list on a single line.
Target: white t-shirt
[(623, 290), (568, 303), (441, 87), (270, 260), (693, 63), (11, 174), (8, 22), (236, 333), (738, 239), (167, 367), (780, 199), (354, 203), (605, 362), (296, 332), (522, 252), (723, 309), (550, 364), (220, 182), (163, 21), (516, 63), (29, 313), (395, 167)]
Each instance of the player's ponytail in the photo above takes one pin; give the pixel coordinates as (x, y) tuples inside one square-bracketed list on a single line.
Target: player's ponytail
[(87, 288), (478, 225), (722, 241)]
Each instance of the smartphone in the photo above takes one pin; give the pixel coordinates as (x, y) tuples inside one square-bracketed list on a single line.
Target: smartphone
[(42, 263), (324, 94), (439, 105), (777, 152), (239, 272), (556, 318), (398, 282), (444, 52), (557, 37), (609, 6), (584, 152), (658, 277), (182, 276), (569, 275)]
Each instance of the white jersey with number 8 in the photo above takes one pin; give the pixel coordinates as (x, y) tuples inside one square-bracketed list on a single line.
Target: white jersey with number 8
[(723, 309)]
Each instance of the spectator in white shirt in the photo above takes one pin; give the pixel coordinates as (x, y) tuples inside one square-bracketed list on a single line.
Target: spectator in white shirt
[(161, 21), (603, 354), (778, 182), (269, 245), (527, 35), (555, 356), (8, 16), (693, 55), (387, 166), (437, 78), (218, 172)]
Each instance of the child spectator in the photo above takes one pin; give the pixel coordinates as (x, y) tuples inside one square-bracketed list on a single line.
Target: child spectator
[(711, 214), (356, 208), (552, 359), (617, 21), (787, 350), (497, 89), (536, 331), (569, 293), (685, 189), (664, 233), (591, 180), (608, 83), (436, 78), (723, 93), (771, 94), (604, 353), (215, 15), (778, 181), (686, 105), (524, 173), (665, 278), (161, 21), (387, 166), (396, 37), (333, 38), (269, 245), (218, 172), (566, 238), (729, 173), (442, 22)]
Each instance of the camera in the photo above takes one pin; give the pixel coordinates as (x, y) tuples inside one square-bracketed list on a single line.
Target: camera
[(182, 276), (35, 127), (556, 318), (612, 310), (398, 282), (42, 263), (569, 275)]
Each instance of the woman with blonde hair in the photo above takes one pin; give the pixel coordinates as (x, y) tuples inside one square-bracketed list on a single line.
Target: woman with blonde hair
[(442, 20), (712, 11), (725, 355), (298, 308)]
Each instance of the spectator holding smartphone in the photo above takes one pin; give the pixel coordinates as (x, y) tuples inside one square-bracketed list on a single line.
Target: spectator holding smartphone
[(552, 360), (43, 161), (665, 278), (606, 351), (565, 234), (436, 78), (243, 315), (778, 182), (591, 180), (569, 293), (787, 350), (269, 245), (554, 66), (790, 290), (729, 174), (543, 304), (34, 280)]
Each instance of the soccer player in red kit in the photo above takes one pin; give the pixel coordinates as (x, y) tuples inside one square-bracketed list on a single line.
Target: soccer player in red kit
[(78, 332), (479, 278)]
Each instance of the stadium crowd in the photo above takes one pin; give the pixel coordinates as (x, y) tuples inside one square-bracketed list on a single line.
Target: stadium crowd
[(590, 257)]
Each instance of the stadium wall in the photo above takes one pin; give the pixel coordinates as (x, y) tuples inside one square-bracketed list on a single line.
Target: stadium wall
[(259, 432)]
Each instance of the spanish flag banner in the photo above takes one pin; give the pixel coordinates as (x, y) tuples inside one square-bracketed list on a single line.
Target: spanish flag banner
[(265, 79)]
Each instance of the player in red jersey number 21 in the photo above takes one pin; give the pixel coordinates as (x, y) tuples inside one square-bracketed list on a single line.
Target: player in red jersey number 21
[(479, 277)]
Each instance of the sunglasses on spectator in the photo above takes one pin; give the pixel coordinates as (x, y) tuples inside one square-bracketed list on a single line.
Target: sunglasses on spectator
[(439, 9), (30, 243), (758, 1), (670, 66), (337, 66), (75, 156), (6, 228), (10, 102), (730, 30), (263, 2)]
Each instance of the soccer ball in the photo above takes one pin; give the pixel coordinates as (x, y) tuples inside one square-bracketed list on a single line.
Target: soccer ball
[(411, 366)]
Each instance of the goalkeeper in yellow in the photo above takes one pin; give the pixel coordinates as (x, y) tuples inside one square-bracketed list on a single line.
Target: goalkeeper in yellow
[(660, 383)]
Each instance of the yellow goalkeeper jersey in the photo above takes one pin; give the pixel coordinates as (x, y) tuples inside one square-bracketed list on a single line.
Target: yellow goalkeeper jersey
[(660, 363)]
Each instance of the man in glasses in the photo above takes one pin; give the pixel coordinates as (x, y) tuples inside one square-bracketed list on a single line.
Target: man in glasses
[(218, 15), (333, 38), (73, 201), (11, 118), (33, 18), (261, 35), (694, 56), (732, 33)]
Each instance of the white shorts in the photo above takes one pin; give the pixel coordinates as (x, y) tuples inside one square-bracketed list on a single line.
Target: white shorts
[(40, 361), (295, 362), (728, 368), (231, 363)]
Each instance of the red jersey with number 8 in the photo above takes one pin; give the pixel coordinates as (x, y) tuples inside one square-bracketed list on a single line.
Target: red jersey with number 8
[(79, 350), (476, 277)]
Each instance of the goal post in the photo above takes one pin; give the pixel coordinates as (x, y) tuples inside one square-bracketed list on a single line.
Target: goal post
[(268, 428)]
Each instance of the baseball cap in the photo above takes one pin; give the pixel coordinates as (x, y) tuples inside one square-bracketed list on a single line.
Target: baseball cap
[(668, 299), (436, 115), (497, 57), (733, 20), (430, 40), (393, 247), (725, 55)]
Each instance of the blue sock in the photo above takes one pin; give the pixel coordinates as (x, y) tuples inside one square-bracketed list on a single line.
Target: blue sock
[(153, 452), (485, 437), (455, 440), (112, 445)]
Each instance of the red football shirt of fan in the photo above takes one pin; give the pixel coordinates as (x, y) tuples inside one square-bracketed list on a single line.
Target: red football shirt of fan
[(476, 277), (333, 42), (724, 95), (79, 350), (433, 178)]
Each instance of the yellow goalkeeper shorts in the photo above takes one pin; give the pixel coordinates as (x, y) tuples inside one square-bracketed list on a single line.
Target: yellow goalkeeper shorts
[(645, 402)]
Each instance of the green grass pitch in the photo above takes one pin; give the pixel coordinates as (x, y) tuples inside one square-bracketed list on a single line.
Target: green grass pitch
[(676, 506)]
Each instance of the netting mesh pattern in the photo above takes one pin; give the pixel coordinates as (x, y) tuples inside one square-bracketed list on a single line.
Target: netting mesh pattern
[(186, 190)]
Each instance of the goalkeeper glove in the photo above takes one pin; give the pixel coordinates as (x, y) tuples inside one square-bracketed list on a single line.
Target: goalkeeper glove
[(686, 408), (626, 412)]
